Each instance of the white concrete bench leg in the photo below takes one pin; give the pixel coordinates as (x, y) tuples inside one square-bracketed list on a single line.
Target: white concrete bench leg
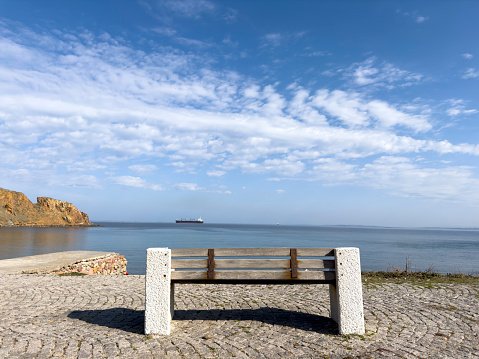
[(346, 297), (159, 291)]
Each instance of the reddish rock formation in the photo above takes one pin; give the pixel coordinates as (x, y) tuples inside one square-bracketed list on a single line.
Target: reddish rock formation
[(17, 210)]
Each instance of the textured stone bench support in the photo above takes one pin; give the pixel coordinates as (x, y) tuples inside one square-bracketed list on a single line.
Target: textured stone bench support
[(339, 267), (159, 291), (346, 296)]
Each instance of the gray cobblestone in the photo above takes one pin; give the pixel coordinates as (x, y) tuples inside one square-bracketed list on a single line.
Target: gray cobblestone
[(45, 316)]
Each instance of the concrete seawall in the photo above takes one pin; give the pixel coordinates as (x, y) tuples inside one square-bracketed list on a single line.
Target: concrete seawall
[(85, 262)]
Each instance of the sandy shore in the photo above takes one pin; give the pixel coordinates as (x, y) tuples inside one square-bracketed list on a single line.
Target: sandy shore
[(43, 316)]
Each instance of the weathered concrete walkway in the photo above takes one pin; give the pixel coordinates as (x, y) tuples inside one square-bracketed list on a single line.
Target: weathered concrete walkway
[(43, 316), (45, 263)]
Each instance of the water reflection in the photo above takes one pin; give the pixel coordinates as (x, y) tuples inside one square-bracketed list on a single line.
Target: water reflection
[(21, 242)]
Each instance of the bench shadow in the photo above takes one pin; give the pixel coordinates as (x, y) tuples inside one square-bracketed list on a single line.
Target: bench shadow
[(128, 320), (132, 321), (274, 316)]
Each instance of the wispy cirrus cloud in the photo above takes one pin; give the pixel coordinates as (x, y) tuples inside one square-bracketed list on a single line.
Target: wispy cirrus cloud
[(188, 8), (373, 74), (91, 104), (414, 15), (130, 181), (280, 38), (404, 177), (458, 107), (188, 187), (143, 169), (470, 73), (421, 19)]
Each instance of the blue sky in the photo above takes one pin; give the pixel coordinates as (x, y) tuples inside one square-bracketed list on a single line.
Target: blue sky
[(291, 112)]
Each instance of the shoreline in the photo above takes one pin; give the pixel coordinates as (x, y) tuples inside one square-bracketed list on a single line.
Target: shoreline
[(50, 226)]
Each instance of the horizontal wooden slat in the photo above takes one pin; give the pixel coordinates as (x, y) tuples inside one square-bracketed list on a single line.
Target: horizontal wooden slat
[(246, 252), (189, 263), (252, 263), (203, 275), (246, 274), (315, 263), (315, 252), (252, 275), (189, 252)]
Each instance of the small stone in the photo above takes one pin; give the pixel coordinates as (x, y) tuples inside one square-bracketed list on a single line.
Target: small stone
[(207, 336)]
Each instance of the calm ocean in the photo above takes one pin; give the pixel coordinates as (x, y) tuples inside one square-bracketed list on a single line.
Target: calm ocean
[(445, 250)]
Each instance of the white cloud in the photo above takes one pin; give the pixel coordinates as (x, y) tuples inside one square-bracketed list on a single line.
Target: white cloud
[(88, 103), (402, 176), (313, 53), (216, 173), (343, 105), (467, 56), (458, 108), (414, 15), (283, 166), (356, 111), (143, 169), (369, 73), (276, 39), (272, 39), (388, 116), (188, 187), (470, 73), (189, 8), (193, 42), (131, 181), (164, 31), (331, 170)]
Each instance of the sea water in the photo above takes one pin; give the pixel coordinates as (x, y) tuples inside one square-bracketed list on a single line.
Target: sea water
[(442, 250)]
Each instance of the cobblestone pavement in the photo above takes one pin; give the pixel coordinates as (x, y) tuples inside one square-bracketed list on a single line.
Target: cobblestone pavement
[(43, 316)]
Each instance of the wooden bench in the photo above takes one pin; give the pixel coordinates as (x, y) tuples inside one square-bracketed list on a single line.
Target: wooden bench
[(337, 267)]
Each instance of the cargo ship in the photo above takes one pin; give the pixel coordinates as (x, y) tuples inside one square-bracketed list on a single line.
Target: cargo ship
[(199, 220)]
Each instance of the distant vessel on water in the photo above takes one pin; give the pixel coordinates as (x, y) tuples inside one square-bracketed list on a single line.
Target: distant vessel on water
[(191, 220)]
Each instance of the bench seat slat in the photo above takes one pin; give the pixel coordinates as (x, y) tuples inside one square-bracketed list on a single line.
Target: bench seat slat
[(232, 263), (230, 252), (189, 252), (315, 252), (189, 263), (246, 252), (251, 263), (252, 275)]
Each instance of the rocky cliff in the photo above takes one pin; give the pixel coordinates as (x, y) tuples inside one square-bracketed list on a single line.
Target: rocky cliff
[(17, 210)]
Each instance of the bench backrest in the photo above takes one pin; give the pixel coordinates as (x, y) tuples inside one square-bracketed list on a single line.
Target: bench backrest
[(253, 265)]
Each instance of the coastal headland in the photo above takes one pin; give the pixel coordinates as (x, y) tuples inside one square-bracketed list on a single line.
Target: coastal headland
[(17, 210)]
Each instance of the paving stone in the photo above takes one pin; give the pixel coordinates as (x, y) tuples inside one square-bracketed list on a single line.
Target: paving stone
[(44, 316)]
